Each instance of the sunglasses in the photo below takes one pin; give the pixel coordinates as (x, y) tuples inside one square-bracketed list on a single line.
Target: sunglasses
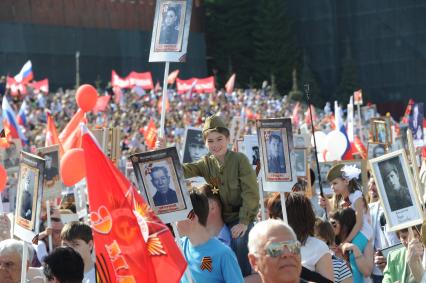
[(191, 215), (278, 249), (333, 223)]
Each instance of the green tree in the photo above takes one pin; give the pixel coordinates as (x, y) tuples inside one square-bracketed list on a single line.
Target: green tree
[(308, 77), (349, 80), (275, 46), (229, 27), (295, 94)]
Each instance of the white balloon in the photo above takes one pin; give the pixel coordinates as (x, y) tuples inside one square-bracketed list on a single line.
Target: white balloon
[(336, 143), (321, 140), (332, 156)]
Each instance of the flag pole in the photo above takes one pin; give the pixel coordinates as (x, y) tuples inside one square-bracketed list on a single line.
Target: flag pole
[(163, 102), (308, 100)]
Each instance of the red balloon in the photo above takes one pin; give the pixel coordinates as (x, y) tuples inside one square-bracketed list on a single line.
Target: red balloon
[(73, 167), (3, 179), (86, 97)]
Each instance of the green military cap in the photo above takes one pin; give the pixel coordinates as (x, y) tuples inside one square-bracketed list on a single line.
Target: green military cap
[(335, 172), (213, 123)]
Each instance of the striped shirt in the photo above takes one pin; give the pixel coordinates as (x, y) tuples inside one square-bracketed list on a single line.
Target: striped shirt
[(341, 269)]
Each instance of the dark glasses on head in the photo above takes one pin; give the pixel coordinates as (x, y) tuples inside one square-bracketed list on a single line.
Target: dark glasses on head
[(333, 223), (278, 249)]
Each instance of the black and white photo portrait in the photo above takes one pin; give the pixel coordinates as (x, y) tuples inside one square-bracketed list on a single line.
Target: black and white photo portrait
[(416, 123), (275, 152), (52, 186), (170, 26), (160, 179), (398, 194), (194, 147), (395, 186), (26, 195), (300, 162), (10, 155)]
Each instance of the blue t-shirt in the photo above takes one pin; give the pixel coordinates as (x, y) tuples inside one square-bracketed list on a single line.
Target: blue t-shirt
[(225, 235), (211, 262)]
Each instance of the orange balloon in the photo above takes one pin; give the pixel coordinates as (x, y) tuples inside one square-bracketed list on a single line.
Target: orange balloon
[(3, 179), (73, 167), (86, 97)]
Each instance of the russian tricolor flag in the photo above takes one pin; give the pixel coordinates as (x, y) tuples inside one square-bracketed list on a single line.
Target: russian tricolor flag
[(10, 123), (26, 73), (22, 117)]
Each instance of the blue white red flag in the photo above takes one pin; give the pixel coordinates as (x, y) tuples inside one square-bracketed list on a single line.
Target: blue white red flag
[(22, 117), (26, 73), (10, 123)]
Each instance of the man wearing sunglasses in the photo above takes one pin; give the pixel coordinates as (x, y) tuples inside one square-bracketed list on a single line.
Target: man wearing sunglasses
[(274, 252)]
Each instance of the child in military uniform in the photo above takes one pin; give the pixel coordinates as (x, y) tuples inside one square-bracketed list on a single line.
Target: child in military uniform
[(233, 179)]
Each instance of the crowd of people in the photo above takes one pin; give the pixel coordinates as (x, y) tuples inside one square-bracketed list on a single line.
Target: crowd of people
[(223, 239)]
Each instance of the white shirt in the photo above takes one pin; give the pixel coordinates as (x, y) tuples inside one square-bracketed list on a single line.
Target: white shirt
[(366, 228), (90, 276), (312, 251)]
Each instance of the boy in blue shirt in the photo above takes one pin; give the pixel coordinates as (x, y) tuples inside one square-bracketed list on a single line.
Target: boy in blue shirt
[(209, 260)]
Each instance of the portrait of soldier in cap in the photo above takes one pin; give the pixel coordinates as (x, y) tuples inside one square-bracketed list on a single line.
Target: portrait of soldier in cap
[(274, 149), (194, 146), (395, 187)]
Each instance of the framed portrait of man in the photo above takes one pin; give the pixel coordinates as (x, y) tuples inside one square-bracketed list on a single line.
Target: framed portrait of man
[(28, 197), (375, 150), (301, 140), (170, 31), (194, 148), (52, 185), (368, 112), (301, 162), (275, 143), (416, 124), (250, 147), (10, 155), (159, 175), (396, 188)]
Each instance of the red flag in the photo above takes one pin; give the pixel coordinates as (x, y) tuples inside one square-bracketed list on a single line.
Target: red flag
[(166, 257), (296, 115), (121, 251), (308, 115), (408, 111), (205, 85), (101, 103), (172, 77), (150, 134), (360, 147), (52, 137), (42, 86), (229, 86), (70, 137)]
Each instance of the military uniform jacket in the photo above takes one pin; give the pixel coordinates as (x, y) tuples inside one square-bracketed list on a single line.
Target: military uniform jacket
[(236, 181)]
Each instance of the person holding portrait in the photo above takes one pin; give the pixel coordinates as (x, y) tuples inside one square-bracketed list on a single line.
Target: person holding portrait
[(397, 194), (161, 181)]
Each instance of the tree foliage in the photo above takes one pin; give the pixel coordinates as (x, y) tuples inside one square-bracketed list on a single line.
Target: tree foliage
[(253, 39)]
